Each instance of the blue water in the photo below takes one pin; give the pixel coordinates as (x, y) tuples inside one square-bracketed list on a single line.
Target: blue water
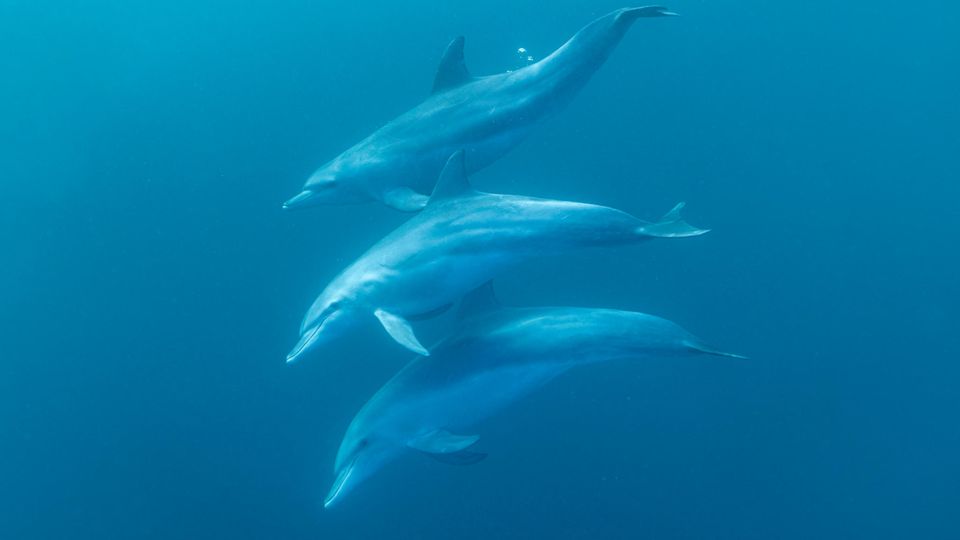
[(152, 285)]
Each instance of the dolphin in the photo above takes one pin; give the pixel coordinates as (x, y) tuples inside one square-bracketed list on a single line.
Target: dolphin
[(497, 356), (461, 239), (399, 163)]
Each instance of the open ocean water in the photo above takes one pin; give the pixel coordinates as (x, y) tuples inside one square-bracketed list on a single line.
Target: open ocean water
[(151, 285)]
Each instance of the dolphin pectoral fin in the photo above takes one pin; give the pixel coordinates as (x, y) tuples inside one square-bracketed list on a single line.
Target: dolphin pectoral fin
[(442, 442), (430, 314), (452, 71), (671, 226), (700, 347), (463, 457), (401, 331), (446, 447), (405, 199)]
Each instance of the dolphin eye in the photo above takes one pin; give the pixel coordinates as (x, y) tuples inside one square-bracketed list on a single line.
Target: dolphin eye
[(331, 309)]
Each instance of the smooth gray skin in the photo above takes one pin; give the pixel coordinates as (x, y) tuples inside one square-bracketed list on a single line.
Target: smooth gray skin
[(462, 239), (496, 358), (487, 116)]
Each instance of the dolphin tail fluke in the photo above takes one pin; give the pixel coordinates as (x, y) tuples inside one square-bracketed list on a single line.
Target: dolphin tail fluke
[(671, 225), (630, 14), (700, 347)]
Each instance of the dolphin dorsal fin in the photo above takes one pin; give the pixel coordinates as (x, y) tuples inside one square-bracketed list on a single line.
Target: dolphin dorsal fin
[(452, 71), (453, 181), (478, 301)]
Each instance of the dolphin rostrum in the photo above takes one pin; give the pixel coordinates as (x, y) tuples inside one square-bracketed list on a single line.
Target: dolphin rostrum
[(461, 239), (487, 116), (498, 356)]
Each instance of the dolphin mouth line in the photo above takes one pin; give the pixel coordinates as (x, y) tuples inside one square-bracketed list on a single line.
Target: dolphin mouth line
[(339, 483), (299, 200), (304, 342)]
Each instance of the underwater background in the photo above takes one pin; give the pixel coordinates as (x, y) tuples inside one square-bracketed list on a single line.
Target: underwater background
[(151, 284)]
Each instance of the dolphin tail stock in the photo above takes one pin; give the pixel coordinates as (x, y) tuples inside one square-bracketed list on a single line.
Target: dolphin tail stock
[(631, 14), (671, 225), (705, 349)]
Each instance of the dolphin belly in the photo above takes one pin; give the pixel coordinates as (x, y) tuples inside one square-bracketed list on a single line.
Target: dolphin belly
[(462, 406), (484, 133), (438, 282)]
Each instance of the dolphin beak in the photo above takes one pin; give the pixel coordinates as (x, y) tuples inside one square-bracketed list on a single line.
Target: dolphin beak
[(300, 200), (306, 340), (340, 485)]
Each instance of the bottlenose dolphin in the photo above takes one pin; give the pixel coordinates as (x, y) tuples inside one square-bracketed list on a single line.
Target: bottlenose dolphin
[(498, 356), (461, 239), (399, 163)]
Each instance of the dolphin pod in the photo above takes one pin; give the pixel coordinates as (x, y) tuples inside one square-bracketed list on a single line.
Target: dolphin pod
[(461, 239), (496, 357), (486, 116)]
